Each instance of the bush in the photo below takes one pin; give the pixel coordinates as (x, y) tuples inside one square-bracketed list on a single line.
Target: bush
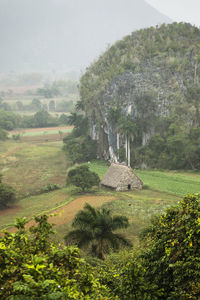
[(3, 134), (33, 267), (51, 187), (7, 195), (172, 258), (83, 178)]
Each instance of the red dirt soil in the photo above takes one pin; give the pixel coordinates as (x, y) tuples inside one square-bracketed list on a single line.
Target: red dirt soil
[(66, 213)]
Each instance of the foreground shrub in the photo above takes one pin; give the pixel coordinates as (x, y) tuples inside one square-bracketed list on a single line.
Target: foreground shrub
[(124, 275), (172, 258), (32, 267)]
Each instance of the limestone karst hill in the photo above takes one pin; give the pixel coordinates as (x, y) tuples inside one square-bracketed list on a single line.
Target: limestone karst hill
[(151, 80)]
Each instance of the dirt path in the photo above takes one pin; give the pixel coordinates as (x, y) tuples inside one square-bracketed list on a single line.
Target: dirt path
[(65, 214)]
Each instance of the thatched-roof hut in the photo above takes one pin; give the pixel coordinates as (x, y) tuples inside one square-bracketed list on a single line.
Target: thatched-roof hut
[(121, 178)]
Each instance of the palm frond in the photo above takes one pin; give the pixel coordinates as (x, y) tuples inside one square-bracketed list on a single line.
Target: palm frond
[(122, 240), (79, 237)]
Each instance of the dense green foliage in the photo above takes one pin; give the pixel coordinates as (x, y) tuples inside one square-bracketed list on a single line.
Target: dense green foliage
[(93, 229), (33, 267), (81, 149), (3, 134), (78, 145), (166, 266), (7, 195), (172, 258), (82, 177), (124, 274), (156, 71)]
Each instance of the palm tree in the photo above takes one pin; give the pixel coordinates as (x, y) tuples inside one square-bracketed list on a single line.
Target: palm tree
[(94, 230), (114, 115), (126, 128)]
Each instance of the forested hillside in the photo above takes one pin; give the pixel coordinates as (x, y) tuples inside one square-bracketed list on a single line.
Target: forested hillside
[(144, 92)]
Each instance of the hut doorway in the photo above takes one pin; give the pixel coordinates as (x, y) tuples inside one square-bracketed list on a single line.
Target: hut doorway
[(129, 186)]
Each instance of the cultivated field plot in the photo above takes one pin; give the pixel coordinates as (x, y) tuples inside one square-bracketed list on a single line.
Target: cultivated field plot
[(177, 183), (42, 134), (30, 166)]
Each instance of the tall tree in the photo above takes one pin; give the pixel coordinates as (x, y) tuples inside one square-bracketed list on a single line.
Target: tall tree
[(126, 128), (93, 228)]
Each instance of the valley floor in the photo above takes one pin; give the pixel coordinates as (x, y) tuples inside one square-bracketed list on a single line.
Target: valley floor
[(30, 166)]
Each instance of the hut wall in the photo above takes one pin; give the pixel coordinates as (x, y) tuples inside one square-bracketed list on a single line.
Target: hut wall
[(131, 179)]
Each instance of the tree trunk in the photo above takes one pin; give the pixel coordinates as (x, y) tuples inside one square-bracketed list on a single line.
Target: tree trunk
[(126, 148), (118, 146), (128, 152)]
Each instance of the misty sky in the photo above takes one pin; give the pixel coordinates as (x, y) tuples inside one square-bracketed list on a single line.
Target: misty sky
[(66, 34), (179, 10), (39, 35)]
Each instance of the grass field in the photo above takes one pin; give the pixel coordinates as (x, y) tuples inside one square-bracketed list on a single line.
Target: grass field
[(41, 131), (173, 182), (29, 167)]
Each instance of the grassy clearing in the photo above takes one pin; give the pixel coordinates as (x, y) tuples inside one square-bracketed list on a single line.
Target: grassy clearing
[(29, 167), (34, 205), (98, 166)]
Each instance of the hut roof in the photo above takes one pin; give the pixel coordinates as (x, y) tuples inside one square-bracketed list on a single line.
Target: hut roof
[(115, 175)]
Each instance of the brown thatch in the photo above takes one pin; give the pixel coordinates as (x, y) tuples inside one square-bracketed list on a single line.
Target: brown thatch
[(121, 178)]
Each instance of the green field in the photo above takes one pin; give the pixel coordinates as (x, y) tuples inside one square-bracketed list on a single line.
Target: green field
[(29, 167), (173, 182), (43, 132)]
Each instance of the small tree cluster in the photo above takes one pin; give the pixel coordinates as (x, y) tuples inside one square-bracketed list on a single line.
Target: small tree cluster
[(83, 178), (7, 194)]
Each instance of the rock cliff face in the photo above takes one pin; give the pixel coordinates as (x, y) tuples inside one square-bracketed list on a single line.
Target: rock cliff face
[(146, 75), (124, 91)]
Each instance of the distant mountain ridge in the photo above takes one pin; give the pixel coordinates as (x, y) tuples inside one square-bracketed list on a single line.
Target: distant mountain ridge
[(66, 34)]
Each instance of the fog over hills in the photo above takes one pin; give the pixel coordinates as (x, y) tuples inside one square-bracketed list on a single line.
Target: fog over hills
[(40, 35)]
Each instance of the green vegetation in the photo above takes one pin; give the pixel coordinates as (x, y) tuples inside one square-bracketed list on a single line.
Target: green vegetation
[(83, 178), (23, 133), (79, 149), (33, 267), (79, 146), (173, 182), (176, 183), (93, 229), (7, 195), (172, 258), (10, 121), (36, 205), (28, 167), (166, 266), (3, 134)]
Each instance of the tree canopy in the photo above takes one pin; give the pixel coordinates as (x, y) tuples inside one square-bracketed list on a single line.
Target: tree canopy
[(82, 177), (94, 229)]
